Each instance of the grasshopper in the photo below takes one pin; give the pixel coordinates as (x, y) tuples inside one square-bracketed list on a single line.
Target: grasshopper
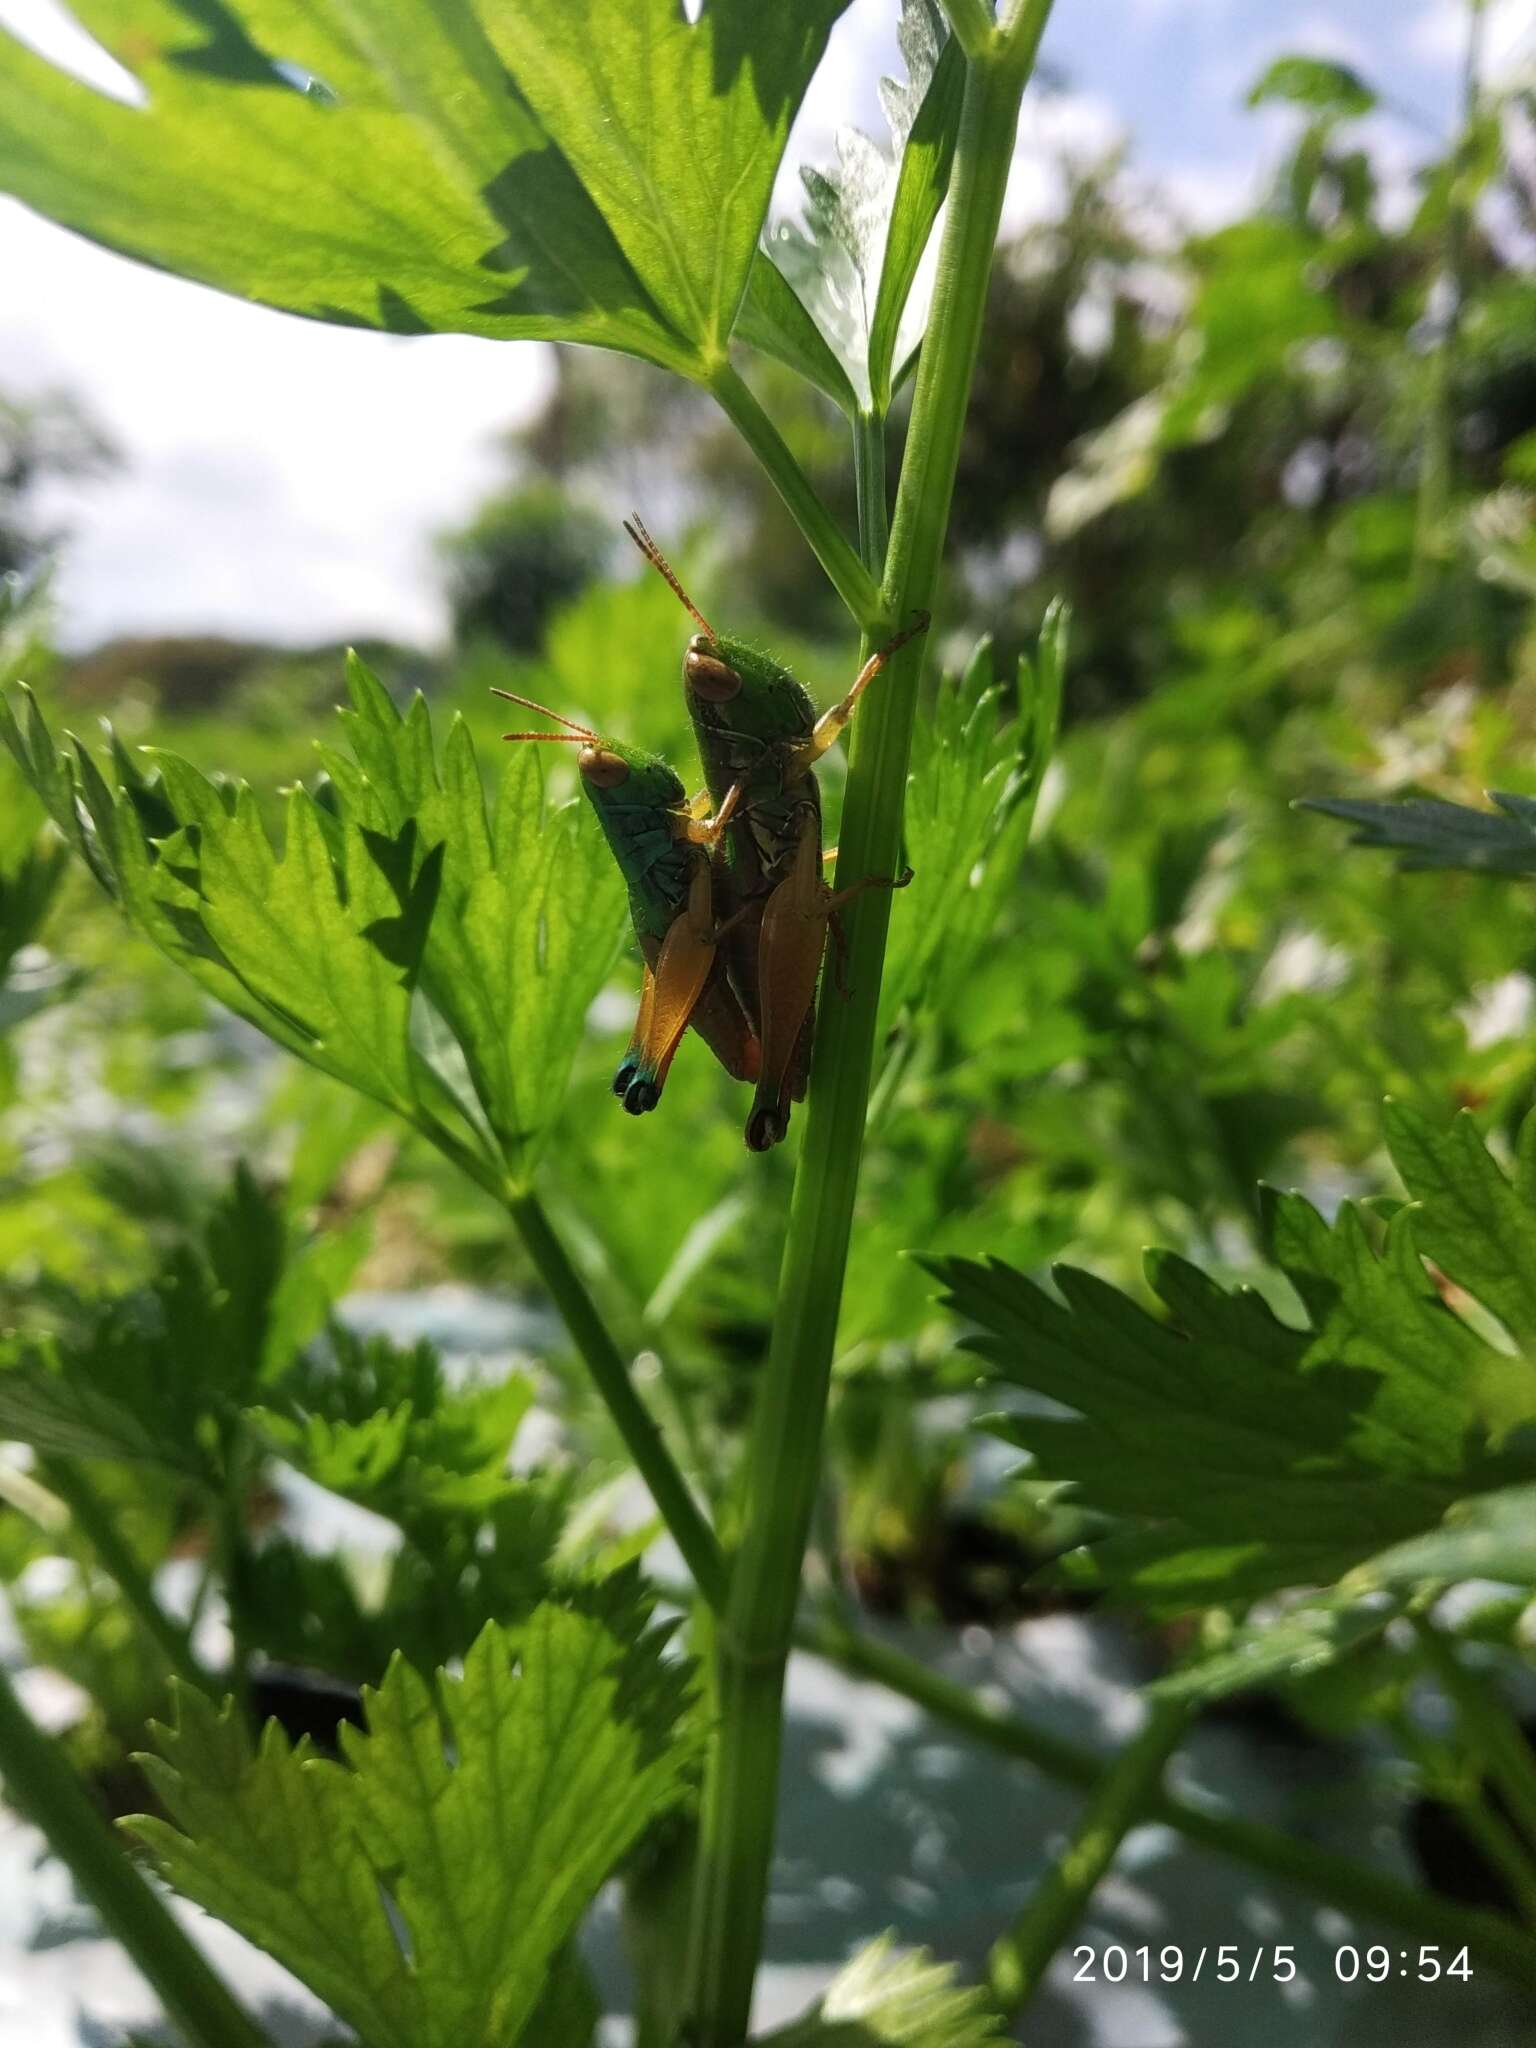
[(758, 732), (664, 849)]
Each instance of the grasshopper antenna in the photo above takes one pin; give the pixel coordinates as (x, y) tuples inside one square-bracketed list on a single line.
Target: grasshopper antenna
[(578, 734), (634, 526)]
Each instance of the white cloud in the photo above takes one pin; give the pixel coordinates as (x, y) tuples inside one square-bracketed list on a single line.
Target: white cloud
[(282, 478), (1206, 196), (1320, 36), (1438, 34), (1160, 10), (1055, 127)]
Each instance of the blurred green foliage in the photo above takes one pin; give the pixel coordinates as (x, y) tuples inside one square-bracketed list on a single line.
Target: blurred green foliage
[(521, 559), (1123, 992)]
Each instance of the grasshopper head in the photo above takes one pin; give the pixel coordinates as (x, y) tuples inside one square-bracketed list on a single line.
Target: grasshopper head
[(620, 778), (734, 686), (615, 777), (735, 692)]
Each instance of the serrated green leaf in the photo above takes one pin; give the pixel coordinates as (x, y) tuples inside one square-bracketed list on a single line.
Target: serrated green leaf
[(1304, 1639), (63, 1412), (970, 804), (674, 128), (887, 1999), (596, 172), (1322, 84), (849, 268), (1490, 1537), (456, 1570), (1434, 834), (1478, 1225), (346, 163), (319, 958), (528, 912), (382, 1426), (1385, 1315), (333, 953), (1267, 1489), (30, 869), (478, 1816), (508, 923), (46, 772), (1300, 1452), (144, 1374)]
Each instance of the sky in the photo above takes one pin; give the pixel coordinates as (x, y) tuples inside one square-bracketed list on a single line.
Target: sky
[(283, 480)]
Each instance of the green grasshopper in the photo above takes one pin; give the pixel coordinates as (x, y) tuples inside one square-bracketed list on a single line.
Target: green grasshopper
[(664, 849), (758, 732)]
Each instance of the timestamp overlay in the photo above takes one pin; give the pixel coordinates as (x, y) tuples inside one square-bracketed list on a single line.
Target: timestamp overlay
[(1262, 1962)]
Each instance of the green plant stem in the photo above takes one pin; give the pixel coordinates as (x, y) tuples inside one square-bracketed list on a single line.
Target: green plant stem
[(1491, 1732), (783, 1459), (94, 1522), (685, 1520), (848, 575), (40, 1784), (1340, 1881), (1019, 1960), (869, 480), (972, 23)]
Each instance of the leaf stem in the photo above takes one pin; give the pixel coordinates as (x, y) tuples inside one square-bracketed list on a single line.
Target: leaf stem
[(41, 1784), (783, 1459), (1339, 1880), (869, 479), (848, 575), (94, 1522), (1019, 1960), (685, 1520), (973, 25)]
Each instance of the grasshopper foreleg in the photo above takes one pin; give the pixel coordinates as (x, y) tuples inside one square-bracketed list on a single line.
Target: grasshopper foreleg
[(828, 729)]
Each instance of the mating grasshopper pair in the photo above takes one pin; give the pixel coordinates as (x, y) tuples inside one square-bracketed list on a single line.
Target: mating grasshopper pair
[(730, 910)]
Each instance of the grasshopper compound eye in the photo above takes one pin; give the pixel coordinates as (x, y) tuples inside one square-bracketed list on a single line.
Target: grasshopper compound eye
[(602, 769), (706, 675)]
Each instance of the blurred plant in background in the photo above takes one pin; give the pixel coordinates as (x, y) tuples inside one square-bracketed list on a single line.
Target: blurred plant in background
[(41, 440)]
